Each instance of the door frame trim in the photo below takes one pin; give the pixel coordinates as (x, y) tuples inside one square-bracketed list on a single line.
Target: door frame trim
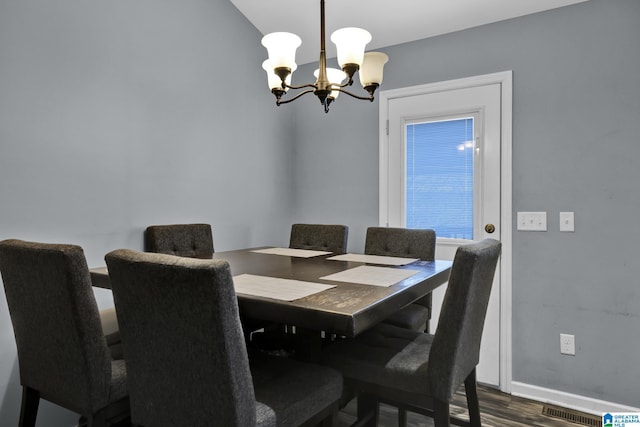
[(505, 80)]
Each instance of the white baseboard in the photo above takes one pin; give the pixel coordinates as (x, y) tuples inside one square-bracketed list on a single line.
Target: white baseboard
[(567, 400)]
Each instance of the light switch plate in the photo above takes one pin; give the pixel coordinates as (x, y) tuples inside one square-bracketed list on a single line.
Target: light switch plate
[(532, 221), (567, 221)]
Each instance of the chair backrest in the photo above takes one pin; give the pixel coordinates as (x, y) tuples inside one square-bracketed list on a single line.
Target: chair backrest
[(401, 242), (186, 240), (455, 351), (186, 357), (62, 351), (319, 237)]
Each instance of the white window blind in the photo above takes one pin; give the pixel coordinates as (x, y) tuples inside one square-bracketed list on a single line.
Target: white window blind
[(439, 176)]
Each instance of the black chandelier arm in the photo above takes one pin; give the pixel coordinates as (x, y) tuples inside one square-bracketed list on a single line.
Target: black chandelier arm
[(364, 98), (298, 95), (311, 85), (347, 83)]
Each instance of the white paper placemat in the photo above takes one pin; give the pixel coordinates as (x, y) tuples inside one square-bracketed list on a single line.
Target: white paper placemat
[(299, 253), (374, 259), (276, 288), (371, 275)]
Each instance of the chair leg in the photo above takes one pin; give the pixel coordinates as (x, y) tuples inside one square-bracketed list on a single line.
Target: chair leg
[(308, 345), (440, 413), (99, 419), (29, 408), (367, 411), (329, 421), (402, 417), (471, 390)]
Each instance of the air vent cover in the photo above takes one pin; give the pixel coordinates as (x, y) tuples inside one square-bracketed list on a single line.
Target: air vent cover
[(572, 416)]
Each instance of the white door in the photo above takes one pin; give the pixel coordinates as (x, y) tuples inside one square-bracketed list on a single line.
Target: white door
[(441, 167)]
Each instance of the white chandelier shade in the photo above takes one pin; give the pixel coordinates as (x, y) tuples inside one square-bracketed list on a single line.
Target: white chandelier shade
[(350, 43), (273, 80), (371, 70), (282, 48)]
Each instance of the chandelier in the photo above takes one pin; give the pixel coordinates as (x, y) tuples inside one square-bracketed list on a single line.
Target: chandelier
[(350, 43)]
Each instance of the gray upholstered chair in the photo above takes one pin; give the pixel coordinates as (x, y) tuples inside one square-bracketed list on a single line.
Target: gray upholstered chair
[(417, 371), (62, 352), (191, 241), (187, 240), (319, 237), (186, 356), (408, 243)]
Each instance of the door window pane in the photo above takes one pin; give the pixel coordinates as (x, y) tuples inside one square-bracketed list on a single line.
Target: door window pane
[(439, 181)]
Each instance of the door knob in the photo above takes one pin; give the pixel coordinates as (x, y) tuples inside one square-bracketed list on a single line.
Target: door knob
[(489, 228)]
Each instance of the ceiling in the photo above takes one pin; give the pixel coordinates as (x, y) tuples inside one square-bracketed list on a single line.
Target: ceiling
[(390, 22)]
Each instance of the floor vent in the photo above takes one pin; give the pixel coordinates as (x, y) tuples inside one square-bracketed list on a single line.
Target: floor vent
[(572, 416)]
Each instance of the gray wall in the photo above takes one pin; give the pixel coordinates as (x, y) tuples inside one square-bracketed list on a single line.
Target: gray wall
[(576, 144), (116, 115)]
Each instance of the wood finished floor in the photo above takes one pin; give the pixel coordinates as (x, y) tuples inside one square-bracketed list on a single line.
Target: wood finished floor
[(497, 410)]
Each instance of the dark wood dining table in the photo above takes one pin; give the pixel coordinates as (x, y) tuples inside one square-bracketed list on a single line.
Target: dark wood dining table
[(346, 309)]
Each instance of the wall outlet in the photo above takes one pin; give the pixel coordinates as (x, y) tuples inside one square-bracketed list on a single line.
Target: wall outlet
[(568, 344)]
